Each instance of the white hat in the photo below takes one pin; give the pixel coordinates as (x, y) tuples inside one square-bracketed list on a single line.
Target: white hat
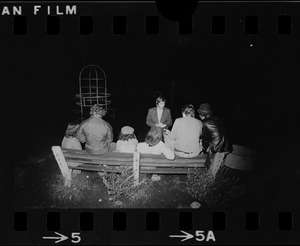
[(127, 130)]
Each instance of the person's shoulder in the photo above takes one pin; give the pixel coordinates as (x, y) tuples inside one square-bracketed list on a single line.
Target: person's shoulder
[(180, 119), (152, 109), (160, 143), (141, 145), (198, 121), (85, 121), (106, 123)]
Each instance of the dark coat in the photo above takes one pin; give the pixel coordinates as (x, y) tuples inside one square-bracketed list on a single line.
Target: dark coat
[(152, 117), (214, 135)]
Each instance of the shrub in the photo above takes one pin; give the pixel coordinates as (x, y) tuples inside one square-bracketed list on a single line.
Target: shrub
[(202, 186), (121, 183), (60, 192)]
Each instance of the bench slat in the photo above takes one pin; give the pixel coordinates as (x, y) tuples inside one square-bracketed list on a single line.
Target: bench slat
[(109, 163), (109, 155), (162, 158), (99, 162), (98, 158), (167, 170), (87, 167), (142, 170), (175, 165)]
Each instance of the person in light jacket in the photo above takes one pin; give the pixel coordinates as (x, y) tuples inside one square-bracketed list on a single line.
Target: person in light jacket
[(96, 133), (159, 116), (184, 138)]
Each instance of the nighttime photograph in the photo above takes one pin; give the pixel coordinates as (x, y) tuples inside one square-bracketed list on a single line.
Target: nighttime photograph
[(143, 111)]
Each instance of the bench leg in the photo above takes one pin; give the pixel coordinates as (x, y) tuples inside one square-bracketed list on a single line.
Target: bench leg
[(136, 167), (63, 166), (216, 163)]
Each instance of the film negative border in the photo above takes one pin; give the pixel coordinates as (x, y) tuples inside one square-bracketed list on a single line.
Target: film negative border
[(88, 226), (152, 25), (154, 227)]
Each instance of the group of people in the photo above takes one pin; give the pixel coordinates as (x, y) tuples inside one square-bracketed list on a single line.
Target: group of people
[(187, 138)]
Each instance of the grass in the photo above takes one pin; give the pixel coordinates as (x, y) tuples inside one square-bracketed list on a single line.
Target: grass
[(121, 184), (213, 192), (60, 192)]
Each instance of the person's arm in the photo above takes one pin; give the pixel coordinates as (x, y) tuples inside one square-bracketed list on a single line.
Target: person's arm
[(110, 135), (80, 135), (169, 154), (173, 133), (149, 120), (168, 121)]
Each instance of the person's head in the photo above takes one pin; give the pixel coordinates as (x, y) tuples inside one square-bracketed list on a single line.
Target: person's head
[(154, 136), (127, 133), (204, 111), (72, 128), (188, 110), (160, 102), (97, 110)]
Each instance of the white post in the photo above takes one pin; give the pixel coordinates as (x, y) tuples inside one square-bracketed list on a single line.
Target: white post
[(63, 166), (136, 167)]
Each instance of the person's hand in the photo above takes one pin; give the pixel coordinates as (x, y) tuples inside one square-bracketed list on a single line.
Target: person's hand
[(161, 125), (166, 131)]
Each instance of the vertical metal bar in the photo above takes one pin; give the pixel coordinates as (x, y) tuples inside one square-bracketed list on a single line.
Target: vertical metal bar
[(97, 85), (80, 95), (90, 92)]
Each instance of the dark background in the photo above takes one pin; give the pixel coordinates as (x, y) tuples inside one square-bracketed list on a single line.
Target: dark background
[(251, 81)]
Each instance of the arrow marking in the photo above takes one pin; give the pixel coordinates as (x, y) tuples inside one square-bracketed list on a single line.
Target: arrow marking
[(187, 236), (61, 237)]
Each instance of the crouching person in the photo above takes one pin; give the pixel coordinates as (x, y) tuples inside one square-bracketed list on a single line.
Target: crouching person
[(96, 133), (185, 134)]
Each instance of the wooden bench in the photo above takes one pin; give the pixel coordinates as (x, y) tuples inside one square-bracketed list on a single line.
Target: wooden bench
[(69, 159)]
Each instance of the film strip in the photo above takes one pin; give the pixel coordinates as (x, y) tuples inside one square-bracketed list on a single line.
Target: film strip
[(239, 56)]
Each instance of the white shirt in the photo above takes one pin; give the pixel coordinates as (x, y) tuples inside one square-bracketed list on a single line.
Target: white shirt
[(159, 113), (158, 149), (126, 146)]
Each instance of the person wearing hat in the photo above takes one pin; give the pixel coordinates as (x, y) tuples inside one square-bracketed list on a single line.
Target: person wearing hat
[(159, 116), (214, 138), (204, 111), (127, 140), (96, 133)]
